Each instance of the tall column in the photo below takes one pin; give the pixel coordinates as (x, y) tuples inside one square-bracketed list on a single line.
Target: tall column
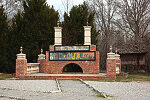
[(87, 35), (58, 35), (21, 64)]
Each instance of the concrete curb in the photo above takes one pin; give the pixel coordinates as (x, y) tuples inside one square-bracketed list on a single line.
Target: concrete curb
[(58, 86), (102, 93)]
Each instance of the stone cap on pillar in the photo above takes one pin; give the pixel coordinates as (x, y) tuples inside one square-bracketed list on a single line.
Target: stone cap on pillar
[(87, 28), (21, 56), (111, 55), (117, 56), (41, 56)]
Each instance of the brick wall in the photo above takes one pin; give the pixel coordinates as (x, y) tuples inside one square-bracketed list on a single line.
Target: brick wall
[(42, 67), (21, 67), (56, 67)]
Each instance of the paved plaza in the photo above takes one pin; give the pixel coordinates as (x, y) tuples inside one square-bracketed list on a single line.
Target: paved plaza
[(72, 90), (123, 90), (35, 90)]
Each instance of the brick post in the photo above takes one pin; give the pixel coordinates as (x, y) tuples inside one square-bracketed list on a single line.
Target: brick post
[(111, 65), (42, 61), (21, 64), (111, 68)]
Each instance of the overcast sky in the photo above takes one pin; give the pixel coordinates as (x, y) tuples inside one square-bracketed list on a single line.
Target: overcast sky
[(59, 5)]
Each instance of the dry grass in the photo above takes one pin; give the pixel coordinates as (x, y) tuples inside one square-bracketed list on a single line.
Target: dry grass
[(131, 77), (4, 76)]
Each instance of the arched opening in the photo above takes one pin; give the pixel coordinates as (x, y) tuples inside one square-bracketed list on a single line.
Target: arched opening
[(72, 68)]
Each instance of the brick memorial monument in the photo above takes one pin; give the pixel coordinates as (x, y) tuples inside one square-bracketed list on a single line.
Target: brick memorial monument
[(59, 57)]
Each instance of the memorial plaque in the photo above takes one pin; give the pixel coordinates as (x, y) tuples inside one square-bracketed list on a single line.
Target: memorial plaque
[(71, 56), (72, 48)]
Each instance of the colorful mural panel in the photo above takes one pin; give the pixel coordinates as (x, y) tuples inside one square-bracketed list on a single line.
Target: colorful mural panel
[(72, 56)]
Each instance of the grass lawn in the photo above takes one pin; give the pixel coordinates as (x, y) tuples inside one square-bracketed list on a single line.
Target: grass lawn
[(131, 77)]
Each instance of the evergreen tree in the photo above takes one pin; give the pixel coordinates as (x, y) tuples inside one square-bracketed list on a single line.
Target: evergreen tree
[(34, 29), (73, 25), (3, 42)]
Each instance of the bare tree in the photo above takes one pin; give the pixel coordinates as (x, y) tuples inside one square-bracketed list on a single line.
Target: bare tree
[(136, 17), (11, 7), (67, 4), (106, 15)]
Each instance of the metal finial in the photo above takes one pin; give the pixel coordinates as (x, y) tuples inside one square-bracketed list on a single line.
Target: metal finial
[(21, 49), (116, 50), (111, 48), (41, 50), (58, 23)]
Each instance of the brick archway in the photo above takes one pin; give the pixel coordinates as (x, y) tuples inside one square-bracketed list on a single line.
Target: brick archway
[(72, 67), (56, 67)]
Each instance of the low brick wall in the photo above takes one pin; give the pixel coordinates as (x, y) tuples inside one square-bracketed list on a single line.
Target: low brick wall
[(65, 77)]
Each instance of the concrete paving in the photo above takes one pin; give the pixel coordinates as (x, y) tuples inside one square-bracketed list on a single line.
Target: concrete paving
[(29, 85), (123, 90), (30, 90)]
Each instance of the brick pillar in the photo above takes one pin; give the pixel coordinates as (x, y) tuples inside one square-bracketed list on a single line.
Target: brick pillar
[(42, 61), (21, 64), (111, 65), (111, 68)]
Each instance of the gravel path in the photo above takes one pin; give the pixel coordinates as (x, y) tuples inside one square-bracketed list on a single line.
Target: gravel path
[(123, 90)]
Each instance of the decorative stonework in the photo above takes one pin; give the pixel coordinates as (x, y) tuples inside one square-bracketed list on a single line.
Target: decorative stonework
[(41, 56), (58, 35), (87, 35), (111, 55), (21, 56)]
